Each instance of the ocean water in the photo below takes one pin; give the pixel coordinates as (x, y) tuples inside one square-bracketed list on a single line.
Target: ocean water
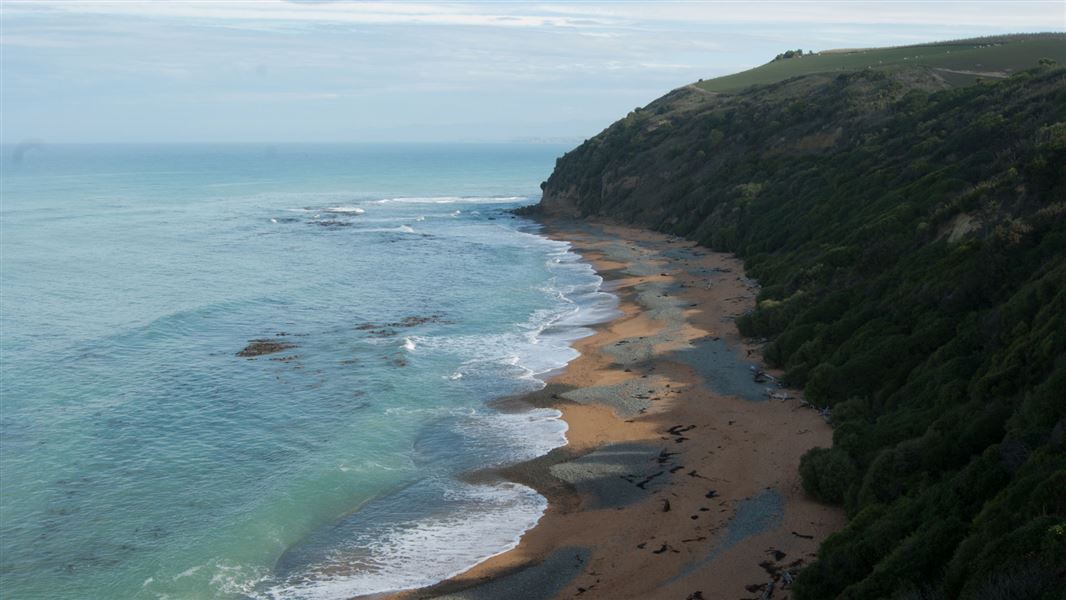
[(142, 458)]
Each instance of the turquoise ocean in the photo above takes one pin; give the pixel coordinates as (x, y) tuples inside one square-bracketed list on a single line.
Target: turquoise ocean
[(142, 458)]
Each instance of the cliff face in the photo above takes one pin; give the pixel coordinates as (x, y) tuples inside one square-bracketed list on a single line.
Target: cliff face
[(911, 243), (560, 202), (680, 147)]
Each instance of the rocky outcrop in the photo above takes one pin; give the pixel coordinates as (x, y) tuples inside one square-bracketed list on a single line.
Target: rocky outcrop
[(263, 346)]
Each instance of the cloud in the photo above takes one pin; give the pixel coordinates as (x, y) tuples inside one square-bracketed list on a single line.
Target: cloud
[(36, 41), (338, 12), (1049, 14), (275, 69)]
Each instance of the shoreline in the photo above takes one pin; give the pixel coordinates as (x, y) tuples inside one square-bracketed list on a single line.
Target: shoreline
[(680, 475)]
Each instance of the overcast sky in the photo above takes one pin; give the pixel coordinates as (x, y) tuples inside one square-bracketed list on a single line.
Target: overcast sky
[(276, 71)]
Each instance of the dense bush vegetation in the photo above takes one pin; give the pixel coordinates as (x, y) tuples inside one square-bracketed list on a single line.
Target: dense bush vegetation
[(789, 54), (911, 241), (828, 473)]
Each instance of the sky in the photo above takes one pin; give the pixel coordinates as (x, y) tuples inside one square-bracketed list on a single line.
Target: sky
[(338, 71)]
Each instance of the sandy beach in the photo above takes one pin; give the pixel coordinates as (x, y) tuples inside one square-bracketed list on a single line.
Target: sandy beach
[(680, 479)]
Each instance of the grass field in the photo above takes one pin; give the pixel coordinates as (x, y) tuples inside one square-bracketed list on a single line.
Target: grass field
[(988, 57)]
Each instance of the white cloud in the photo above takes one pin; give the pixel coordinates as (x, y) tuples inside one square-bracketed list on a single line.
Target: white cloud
[(339, 12), (225, 69), (36, 41), (1050, 14)]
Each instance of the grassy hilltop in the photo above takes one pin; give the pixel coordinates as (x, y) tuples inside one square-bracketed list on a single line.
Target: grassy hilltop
[(910, 236), (958, 62)]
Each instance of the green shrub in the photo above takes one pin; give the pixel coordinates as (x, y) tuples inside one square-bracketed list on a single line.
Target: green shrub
[(827, 473), (912, 248)]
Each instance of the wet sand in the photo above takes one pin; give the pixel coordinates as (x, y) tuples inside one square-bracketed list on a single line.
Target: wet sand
[(680, 479)]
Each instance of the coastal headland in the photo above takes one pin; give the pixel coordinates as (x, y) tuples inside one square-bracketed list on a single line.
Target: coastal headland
[(680, 476)]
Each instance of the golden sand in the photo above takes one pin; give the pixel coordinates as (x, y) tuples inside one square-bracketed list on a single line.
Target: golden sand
[(678, 542)]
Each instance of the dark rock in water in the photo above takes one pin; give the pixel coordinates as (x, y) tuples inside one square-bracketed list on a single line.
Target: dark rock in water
[(416, 321), (264, 346), (386, 330)]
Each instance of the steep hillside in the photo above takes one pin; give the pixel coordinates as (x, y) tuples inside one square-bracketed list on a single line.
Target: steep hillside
[(959, 62), (910, 237)]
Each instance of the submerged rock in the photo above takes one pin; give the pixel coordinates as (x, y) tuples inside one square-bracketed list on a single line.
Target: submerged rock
[(388, 329), (264, 346), (331, 223), (416, 321)]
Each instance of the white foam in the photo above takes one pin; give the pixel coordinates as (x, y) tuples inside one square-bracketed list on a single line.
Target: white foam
[(231, 578), (350, 210), (417, 554), (421, 552), (541, 430), (400, 229), (544, 343), (450, 200), (189, 572), (376, 466), (521, 349), (428, 411)]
